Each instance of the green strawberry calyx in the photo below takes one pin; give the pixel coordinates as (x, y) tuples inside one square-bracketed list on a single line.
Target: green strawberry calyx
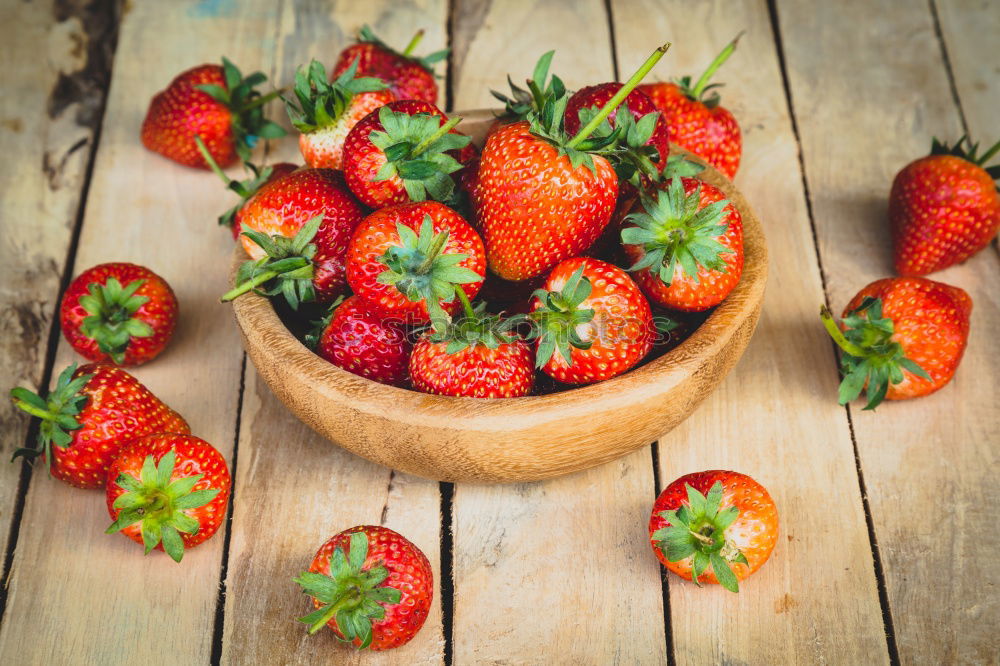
[(523, 102), (967, 150), (548, 123), (698, 530), (160, 505), (476, 328), (57, 411), (110, 319), (674, 232), (557, 318), (243, 188), (698, 91), (319, 102), (420, 269), (871, 357), (634, 160), (287, 264), (416, 150), (246, 107), (351, 595)]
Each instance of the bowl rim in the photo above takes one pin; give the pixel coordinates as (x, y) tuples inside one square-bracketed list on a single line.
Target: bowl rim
[(255, 312)]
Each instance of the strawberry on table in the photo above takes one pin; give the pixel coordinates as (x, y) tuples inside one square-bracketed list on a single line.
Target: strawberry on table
[(359, 341), (944, 208), (280, 225), (405, 261), (543, 196), (686, 246), (696, 121), (407, 76), (215, 103), (324, 112), (404, 151), (592, 322), (901, 338), (477, 357), (168, 491), (371, 586), (91, 413), (118, 312), (715, 526), (260, 176)]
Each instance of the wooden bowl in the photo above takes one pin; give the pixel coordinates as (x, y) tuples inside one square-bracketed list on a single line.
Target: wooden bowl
[(511, 439)]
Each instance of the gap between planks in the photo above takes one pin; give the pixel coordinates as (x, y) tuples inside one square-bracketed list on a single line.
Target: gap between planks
[(883, 593), (53, 337)]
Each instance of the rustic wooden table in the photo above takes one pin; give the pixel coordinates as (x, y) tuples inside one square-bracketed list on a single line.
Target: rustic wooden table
[(888, 548)]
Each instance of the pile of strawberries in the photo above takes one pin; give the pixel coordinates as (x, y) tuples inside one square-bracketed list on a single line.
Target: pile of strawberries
[(555, 257), (471, 274)]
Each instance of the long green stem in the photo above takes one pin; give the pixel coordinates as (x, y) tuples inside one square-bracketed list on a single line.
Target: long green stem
[(444, 129), (619, 97), (207, 156), (262, 100), (330, 613), (838, 335), (724, 54), (437, 244), (252, 283), (466, 305), (413, 42), (34, 411)]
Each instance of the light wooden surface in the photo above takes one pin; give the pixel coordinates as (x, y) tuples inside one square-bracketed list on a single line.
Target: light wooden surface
[(557, 571), (936, 455), (778, 401)]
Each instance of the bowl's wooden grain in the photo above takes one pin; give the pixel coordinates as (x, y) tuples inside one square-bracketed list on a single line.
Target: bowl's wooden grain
[(515, 439)]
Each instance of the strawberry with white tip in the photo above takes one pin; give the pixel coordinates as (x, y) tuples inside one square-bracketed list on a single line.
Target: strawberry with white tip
[(324, 111)]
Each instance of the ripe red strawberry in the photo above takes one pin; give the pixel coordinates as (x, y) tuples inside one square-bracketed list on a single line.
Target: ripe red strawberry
[(306, 261), (260, 176), (168, 491), (593, 323), (541, 195), (90, 414), (405, 261), (590, 99), (404, 151), (476, 357), (901, 338), (944, 208), (118, 312), (215, 103), (696, 121), (371, 586), (714, 526), (359, 341), (325, 112), (687, 247), (408, 77)]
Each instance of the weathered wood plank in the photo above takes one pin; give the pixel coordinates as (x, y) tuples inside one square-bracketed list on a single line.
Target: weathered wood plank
[(310, 488), (556, 571), (970, 29), (75, 594), (820, 582), (48, 116), (867, 102)]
